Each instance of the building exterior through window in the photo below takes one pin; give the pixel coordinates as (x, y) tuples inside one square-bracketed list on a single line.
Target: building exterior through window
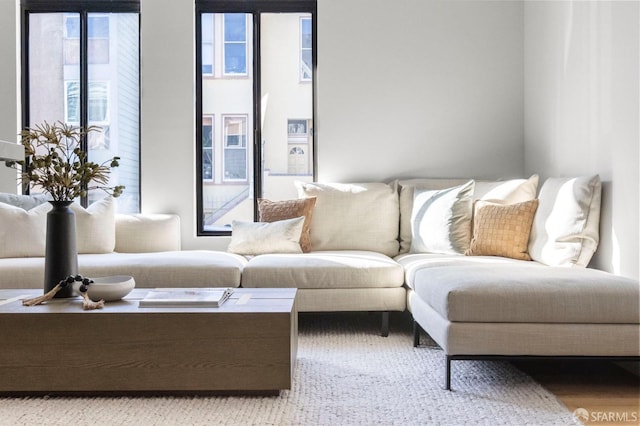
[(58, 72), (256, 132)]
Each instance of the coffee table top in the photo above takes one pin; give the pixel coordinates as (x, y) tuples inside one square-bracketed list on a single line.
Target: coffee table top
[(243, 300)]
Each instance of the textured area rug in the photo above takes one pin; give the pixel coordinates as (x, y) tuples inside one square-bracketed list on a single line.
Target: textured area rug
[(346, 375)]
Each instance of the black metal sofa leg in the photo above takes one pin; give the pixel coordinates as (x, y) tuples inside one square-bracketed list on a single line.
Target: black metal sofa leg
[(416, 334), (447, 373), (385, 324)]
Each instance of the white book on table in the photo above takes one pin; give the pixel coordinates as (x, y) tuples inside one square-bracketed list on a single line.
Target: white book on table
[(186, 297)]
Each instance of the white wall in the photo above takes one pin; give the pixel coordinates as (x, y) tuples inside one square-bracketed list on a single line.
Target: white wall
[(168, 111), (582, 110), (9, 86), (419, 88)]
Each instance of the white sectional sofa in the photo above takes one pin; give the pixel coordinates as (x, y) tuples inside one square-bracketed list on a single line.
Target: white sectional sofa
[(394, 246)]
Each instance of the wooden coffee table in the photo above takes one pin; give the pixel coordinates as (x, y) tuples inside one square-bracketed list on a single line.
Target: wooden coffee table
[(248, 345)]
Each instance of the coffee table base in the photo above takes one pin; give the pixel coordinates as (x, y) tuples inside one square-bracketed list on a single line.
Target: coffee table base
[(126, 349)]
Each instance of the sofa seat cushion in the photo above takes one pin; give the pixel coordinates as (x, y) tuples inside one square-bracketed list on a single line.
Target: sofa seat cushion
[(189, 268), (413, 262), (528, 293), (323, 269)]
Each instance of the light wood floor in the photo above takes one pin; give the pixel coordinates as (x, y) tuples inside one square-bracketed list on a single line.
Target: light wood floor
[(609, 393)]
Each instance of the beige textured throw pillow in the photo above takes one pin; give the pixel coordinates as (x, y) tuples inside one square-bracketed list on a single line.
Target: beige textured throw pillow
[(254, 238), (502, 230), (272, 211), (441, 220)]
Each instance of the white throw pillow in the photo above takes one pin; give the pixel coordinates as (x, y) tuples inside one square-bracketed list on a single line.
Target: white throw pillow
[(441, 220), (22, 232), (253, 238), (565, 229), (509, 191), (355, 216), (96, 226)]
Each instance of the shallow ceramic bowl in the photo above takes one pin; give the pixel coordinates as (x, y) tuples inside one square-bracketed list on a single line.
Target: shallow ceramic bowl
[(108, 289)]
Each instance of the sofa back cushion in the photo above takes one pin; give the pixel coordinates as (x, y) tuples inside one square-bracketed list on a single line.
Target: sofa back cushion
[(441, 220), (356, 216), (26, 202), (565, 229), (509, 191), (144, 233)]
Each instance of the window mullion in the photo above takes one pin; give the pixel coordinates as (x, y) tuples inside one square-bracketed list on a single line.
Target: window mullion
[(84, 86), (257, 116)]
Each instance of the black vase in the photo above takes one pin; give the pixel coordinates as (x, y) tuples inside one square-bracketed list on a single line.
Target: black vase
[(61, 254)]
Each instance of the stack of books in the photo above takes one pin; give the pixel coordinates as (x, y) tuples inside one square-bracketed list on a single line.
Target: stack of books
[(186, 297)]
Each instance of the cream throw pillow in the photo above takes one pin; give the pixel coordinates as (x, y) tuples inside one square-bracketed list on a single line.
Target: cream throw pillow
[(22, 232), (565, 231), (502, 230), (441, 220), (96, 226), (356, 216), (253, 238)]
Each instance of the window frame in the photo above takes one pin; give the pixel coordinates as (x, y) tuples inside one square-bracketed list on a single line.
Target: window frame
[(83, 8), (254, 8)]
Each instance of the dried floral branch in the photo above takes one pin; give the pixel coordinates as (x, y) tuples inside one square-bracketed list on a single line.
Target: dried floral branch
[(58, 164)]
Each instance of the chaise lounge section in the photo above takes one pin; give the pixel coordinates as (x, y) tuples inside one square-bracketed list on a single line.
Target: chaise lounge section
[(488, 307)]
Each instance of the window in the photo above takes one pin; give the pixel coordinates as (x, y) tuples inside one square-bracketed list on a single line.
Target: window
[(235, 44), (207, 44), (298, 138), (297, 127), (306, 62), (235, 148), (253, 87), (98, 106), (207, 148), (87, 78), (98, 39)]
